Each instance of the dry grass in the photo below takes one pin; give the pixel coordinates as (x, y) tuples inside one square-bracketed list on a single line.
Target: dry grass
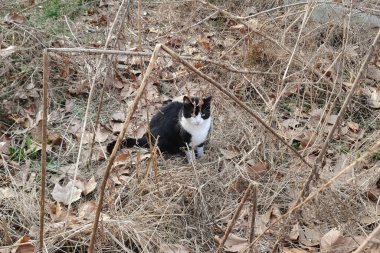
[(191, 204)]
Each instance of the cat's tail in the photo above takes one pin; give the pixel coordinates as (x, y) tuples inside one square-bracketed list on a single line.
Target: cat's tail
[(129, 143)]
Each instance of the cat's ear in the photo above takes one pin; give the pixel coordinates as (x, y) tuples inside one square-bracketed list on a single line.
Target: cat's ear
[(207, 100), (186, 100)]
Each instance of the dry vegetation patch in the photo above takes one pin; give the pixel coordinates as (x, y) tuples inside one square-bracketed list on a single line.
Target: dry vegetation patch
[(284, 60)]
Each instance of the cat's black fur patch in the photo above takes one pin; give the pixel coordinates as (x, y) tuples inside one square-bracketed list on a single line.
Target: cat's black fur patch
[(189, 109), (165, 125)]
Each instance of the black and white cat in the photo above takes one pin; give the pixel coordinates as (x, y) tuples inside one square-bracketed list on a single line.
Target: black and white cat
[(180, 127)]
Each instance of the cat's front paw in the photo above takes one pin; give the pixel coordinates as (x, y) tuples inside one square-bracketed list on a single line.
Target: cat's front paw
[(200, 152)]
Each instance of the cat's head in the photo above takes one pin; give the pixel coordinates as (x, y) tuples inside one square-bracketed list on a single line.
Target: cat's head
[(196, 111)]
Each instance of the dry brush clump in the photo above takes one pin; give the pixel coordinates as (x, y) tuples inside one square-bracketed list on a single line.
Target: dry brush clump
[(292, 70)]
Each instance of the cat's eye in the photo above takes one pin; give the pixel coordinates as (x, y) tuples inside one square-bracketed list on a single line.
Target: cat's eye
[(203, 115)]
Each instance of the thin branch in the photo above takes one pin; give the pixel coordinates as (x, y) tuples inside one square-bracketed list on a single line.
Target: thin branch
[(121, 245), (321, 155), (234, 219), (44, 144), (189, 27), (367, 240), (96, 125), (226, 13), (273, 9), (309, 8), (253, 218), (117, 144), (233, 97), (90, 95), (299, 61), (139, 26), (363, 158), (224, 65)]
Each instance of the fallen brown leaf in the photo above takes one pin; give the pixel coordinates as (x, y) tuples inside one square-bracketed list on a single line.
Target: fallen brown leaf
[(308, 140), (8, 51), (174, 42), (26, 247), (7, 193), (329, 239), (294, 233), (290, 123), (373, 194), (64, 71), (75, 127), (86, 186), (316, 116), (62, 193), (230, 152), (354, 127), (373, 96), (373, 72), (57, 212), (80, 88), (101, 134), (332, 119), (99, 21), (204, 42), (235, 243), (172, 248), (116, 127), (239, 27), (256, 169), (121, 158), (309, 236), (190, 50), (334, 242), (29, 2), (86, 209), (295, 250), (69, 105), (118, 116), (15, 17)]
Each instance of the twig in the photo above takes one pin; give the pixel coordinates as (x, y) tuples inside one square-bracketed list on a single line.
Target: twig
[(275, 247), (189, 27), (103, 86), (96, 125), (121, 245), (226, 13), (366, 241), (138, 167), (160, 221), (117, 144), (253, 218), (139, 40), (273, 9), (338, 120), (233, 97), (304, 21), (299, 60), (234, 218), (44, 144), (91, 93), (224, 65), (315, 193)]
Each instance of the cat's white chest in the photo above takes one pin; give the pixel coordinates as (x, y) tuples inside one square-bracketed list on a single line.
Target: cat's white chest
[(198, 132)]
